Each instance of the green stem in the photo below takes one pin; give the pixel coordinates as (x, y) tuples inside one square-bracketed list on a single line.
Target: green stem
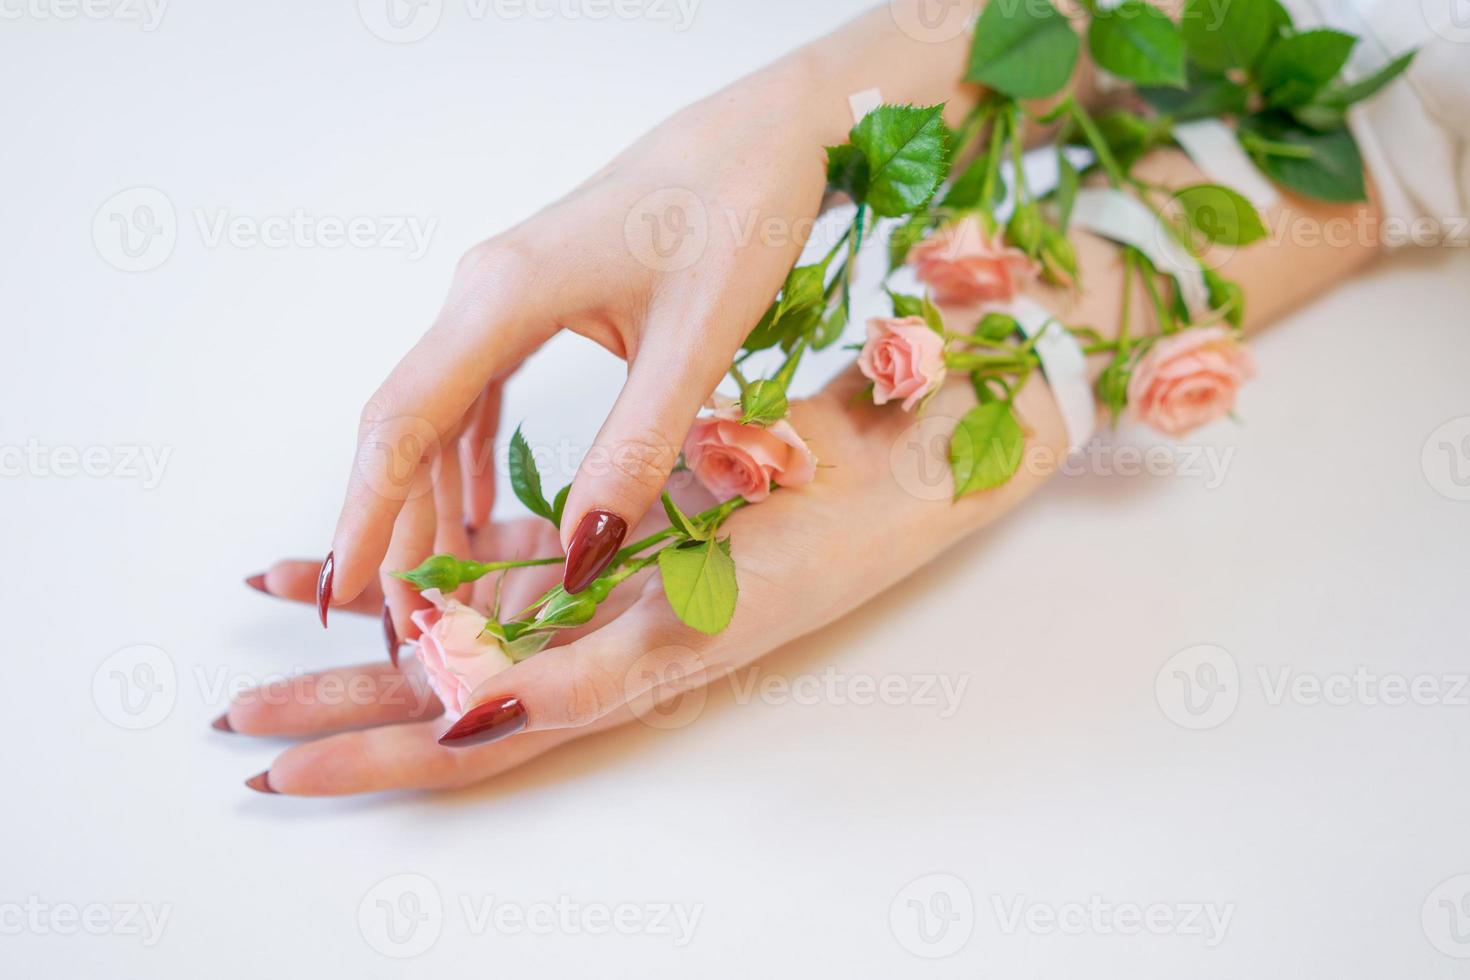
[(1130, 265), (1105, 157), (715, 514)]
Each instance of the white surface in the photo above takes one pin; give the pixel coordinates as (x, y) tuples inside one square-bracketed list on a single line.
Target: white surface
[(793, 827)]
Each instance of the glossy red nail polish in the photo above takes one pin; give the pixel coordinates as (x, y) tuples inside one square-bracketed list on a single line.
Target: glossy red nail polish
[(222, 723), (390, 635), (594, 545), (488, 722), (261, 783), (324, 589), (257, 582)]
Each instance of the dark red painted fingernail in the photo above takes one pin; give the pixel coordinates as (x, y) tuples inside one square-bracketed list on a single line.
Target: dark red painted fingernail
[(390, 634), (261, 783), (324, 589), (257, 582), (488, 722), (222, 723), (594, 545)]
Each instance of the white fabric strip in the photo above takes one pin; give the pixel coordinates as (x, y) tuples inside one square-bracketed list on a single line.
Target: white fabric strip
[(1114, 215), (1064, 364), (1213, 147), (864, 102)]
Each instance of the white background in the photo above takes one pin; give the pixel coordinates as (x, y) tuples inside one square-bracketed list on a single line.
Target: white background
[(1333, 543)]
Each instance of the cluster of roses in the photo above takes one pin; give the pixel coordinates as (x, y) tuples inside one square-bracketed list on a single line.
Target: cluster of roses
[(1278, 83)]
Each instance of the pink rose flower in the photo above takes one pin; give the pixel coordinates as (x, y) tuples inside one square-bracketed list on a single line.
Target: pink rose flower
[(903, 358), (964, 267), (734, 460), (1188, 379), (456, 652)]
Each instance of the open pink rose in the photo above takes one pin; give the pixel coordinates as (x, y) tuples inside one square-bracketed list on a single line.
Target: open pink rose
[(903, 358), (734, 460), (456, 652), (1189, 379), (964, 266)]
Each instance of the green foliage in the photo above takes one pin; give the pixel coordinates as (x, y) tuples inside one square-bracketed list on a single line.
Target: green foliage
[(1137, 42), (1225, 34), (986, 448), (699, 581), (906, 157), (1220, 214), (525, 478), (1026, 50)]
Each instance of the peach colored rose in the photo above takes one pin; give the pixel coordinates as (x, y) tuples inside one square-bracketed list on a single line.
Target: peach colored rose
[(903, 358), (963, 266), (1188, 379), (734, 460), (456, 652)]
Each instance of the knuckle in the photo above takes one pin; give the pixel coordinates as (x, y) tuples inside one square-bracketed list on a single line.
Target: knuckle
[(505, 260), (643, 460), (590, 695)]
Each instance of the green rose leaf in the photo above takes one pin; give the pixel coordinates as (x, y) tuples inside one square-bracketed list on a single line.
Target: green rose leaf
[(525, 478), (1203, 97), (1026, 50), (847, 171), (1139, 43), (1333, 171), (1220, 214), (905, 151), (1341, 97), (699, 581), (559, 505), (1299, 66), (1225, 34), (985, 450), (681, 522)]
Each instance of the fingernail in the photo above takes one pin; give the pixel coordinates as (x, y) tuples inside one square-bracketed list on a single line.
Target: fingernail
[(222, 723), (261, 783), (594, 545), (324, 589), (257, 582), (488, 722), (390, 634)]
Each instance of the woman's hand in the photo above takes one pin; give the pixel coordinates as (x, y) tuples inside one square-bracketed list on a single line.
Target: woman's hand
[(667, 257), (804, 557)]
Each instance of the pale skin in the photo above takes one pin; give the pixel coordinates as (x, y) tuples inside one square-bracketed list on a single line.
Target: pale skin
[(637, 653)]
